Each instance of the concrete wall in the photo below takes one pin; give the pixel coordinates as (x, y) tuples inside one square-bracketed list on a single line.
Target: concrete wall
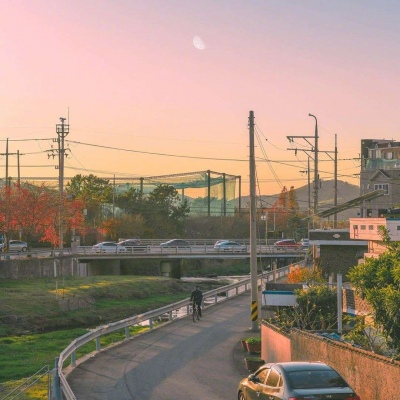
[(69, 266), (38, 267), (373, 377), (275, 345)]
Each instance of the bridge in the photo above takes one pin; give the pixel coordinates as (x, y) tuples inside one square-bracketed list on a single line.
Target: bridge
[(170, 258)]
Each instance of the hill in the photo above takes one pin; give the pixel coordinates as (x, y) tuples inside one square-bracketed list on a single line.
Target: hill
[(326, 195)]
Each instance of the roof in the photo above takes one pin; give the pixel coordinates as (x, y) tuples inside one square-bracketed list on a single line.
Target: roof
[(349, 204)]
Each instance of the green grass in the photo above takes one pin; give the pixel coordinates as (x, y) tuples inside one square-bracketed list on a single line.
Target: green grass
[(40, 317)]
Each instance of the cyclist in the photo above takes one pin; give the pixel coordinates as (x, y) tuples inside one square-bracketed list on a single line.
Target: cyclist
[(197, 298)]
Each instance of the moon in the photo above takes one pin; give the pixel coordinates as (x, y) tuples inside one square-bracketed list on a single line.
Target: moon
[(199, 43)]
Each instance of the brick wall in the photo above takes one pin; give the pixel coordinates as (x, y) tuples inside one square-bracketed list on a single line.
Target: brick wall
[(373, 377)]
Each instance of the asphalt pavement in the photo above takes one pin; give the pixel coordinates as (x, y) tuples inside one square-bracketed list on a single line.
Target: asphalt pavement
[(179, 360)]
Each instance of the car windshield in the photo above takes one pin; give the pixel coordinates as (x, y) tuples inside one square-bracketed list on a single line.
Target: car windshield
[(315, 379)]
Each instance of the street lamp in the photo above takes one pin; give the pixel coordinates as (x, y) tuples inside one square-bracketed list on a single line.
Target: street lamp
[(316, 177)]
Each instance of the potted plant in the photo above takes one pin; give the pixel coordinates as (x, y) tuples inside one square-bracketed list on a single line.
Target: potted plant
[(253, 344), (253, 363), (243, 343)]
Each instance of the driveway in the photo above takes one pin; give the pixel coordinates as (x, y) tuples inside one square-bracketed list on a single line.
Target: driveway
[(180, 360)]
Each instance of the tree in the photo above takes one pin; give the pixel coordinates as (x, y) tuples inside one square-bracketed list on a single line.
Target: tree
[(165, 213), (315, 309), (29, 211), (127, 226), (288, 218), (93, 191), (378, 281)]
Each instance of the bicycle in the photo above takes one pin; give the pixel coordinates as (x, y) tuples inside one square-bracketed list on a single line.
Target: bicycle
[(195, 312)]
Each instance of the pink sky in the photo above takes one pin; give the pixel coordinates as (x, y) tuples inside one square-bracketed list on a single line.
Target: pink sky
[(132, 79)]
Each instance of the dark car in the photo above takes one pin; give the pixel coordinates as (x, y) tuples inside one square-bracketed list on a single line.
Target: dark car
[(295, 381), (287, 244), (176, 243)]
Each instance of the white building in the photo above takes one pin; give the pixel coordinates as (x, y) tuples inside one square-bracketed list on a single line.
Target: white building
[(368, 229)]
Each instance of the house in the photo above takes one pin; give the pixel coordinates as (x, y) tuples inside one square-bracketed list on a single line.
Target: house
[(368, 229), (380, 169)]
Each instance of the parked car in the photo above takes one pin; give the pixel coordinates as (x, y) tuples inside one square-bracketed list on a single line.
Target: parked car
[(305, 243), (129, 242), (15, 245), (295, 380), (176, 243), (108, 247), (229, 245), (133, 245), (287, 244)]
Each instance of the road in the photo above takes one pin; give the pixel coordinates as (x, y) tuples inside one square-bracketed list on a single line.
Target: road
[(180, 360)]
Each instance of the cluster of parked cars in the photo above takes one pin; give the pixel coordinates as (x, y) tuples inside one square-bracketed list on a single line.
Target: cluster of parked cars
[(122, 246)]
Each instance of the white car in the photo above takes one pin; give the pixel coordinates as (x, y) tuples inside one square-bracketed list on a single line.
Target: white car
[(230, 246), (108, 247)]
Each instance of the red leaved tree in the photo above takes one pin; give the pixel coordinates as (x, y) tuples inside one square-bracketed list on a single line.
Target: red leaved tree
[(29, 211)]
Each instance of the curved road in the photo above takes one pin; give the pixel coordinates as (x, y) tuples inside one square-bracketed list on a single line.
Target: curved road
[(180, 360)]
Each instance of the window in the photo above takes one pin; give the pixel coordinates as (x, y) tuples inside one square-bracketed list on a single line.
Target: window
[(398, 227), (383, 186), (273, 379), (355, 227), (389, 155), (363, 227), (371, 227), (261, 376)]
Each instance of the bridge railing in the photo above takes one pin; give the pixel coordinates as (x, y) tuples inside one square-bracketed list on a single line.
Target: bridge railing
[(211, 297), (193, 249)]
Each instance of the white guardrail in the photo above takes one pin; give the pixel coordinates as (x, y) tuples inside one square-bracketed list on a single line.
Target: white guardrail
[(210, 298)]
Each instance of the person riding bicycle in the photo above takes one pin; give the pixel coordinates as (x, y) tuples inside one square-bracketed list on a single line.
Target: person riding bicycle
[(197, 298)]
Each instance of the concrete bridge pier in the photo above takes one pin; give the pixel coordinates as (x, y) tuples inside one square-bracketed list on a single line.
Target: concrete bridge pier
[(104, 267), (171, 268)]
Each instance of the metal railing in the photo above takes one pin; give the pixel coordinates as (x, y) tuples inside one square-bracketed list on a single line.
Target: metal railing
[(211, 297), (36, 379)]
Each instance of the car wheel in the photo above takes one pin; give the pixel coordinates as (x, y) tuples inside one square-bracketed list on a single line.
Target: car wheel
[(241, 396), (24, 249)]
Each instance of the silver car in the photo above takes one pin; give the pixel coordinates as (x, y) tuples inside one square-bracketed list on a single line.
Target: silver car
[(15, 245), (108, 247)]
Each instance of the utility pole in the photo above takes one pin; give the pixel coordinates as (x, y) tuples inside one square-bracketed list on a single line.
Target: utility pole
[(335, 184), (253, 229), (316, 175), (62, 131), (7, 163), (19, 171)]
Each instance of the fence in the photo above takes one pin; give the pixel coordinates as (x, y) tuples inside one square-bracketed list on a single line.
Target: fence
[(211, 297)]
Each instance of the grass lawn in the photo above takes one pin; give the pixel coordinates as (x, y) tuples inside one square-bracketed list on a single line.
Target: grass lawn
[(40, 317)]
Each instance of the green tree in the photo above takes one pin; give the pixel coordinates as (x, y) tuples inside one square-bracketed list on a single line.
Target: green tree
[(165, 213), (316, 309), (131, 201), (94, 192), (378, 281)]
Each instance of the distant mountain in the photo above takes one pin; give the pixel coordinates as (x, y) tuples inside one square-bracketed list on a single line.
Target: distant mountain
[(326, 195)]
